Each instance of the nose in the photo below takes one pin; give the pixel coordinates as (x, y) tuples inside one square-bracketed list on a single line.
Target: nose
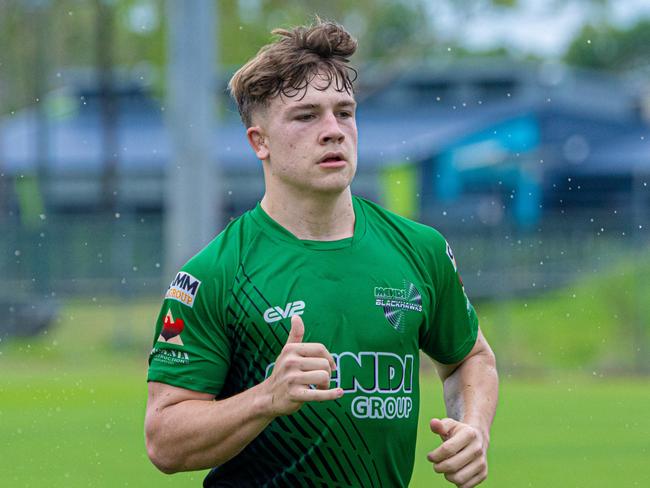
[(331, 131)]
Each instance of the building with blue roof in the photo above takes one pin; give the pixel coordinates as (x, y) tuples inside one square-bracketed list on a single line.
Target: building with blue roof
[(429, 139)]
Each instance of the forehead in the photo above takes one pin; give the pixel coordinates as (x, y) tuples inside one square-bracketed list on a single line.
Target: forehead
[(319, 91)]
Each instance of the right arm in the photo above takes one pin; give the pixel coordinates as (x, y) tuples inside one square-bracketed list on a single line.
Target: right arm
[(187, 430)]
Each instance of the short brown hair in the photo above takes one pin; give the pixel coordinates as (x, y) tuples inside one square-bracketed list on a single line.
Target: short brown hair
[(287, 65)]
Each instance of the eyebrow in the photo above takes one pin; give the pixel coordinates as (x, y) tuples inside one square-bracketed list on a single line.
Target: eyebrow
[(311, 106)]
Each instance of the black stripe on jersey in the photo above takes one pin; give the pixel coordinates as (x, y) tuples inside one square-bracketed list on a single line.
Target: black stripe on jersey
[(292, 419), (357, 431), (352, 444), (282, 457), (291, 455), (356, 475), (377, 473), (241, 265), (326, 465), (320, 435), (363, 465), (309, 422), (342, 428), (261, 313), (268, 303), (297, 458), (271, 329), (311, 463), (291, 479), (335, 458), (329, 428)]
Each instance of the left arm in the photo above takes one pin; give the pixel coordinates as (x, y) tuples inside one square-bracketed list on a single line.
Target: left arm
[(471, 392)]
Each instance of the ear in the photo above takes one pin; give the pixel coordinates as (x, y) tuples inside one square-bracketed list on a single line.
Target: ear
[(257, 141)]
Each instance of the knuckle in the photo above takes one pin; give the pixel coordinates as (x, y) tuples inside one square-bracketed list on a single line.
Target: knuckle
[(291, 362), (451, 477), (477, 451), (323, 376)]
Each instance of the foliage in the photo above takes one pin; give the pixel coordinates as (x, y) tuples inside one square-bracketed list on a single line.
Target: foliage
[(40, 42), (610, 48)]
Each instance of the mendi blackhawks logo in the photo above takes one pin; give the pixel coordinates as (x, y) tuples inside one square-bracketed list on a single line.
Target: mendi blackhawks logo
[(396, 302)]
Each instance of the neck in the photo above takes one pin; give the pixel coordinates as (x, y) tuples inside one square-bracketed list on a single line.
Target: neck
[(322, 218)]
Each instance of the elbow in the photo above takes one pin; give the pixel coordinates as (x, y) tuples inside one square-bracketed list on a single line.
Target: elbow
[(490, 358), (161, 460), (159, 452)]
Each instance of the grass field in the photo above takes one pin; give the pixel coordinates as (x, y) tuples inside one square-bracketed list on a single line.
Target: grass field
[(72, 405)]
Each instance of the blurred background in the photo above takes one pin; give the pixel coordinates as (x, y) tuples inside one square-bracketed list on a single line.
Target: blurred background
[(518, 128)]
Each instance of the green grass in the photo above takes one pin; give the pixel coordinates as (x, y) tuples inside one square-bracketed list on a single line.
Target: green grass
[(68, 427), (571, 432), (597, 324)]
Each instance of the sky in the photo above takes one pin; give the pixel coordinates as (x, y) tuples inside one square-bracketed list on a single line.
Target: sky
[(540, 27)]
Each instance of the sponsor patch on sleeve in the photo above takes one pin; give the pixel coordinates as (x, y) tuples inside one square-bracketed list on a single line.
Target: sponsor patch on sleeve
[(183, 288), (450, 255)]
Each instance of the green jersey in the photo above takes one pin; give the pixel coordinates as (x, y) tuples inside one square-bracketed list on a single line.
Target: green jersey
[(374, 300)]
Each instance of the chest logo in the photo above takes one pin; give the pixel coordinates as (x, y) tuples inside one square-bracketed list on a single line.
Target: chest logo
[(395, 302), (274, 314)]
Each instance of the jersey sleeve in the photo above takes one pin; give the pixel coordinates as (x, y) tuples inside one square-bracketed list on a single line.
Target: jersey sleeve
[(452, 327), (191, 348)]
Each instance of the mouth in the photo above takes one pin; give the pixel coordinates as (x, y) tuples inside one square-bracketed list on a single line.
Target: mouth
[(332, 160)]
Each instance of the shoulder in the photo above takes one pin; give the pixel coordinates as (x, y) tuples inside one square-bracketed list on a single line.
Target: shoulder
[(223, 253), (419, 235)]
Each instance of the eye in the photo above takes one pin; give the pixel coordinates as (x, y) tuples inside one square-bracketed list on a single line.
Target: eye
[(345, 114), (305, 117)]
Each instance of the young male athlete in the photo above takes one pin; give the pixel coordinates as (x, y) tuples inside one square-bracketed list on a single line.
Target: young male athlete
[(286, 351)]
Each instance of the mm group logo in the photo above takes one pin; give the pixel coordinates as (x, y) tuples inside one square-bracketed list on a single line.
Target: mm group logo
[(397, 301), (183, 289)]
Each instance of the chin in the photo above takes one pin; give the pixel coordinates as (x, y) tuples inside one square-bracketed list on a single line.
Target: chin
[(333, 186)]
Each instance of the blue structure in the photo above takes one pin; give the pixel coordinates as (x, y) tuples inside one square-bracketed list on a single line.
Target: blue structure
[(467, 132)]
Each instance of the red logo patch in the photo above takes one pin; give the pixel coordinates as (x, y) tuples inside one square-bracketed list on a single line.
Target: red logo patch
[(172, 329)]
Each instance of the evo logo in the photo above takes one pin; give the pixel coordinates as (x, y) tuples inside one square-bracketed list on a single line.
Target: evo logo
[(274, 314)]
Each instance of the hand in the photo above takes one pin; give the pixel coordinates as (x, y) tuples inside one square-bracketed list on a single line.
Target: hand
[(299, 366), (462, 457)]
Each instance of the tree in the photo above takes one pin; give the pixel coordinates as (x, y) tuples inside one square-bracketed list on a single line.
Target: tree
[(609, 48)]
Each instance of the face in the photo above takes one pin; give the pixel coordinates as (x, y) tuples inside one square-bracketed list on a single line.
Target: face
[(308, 144)]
